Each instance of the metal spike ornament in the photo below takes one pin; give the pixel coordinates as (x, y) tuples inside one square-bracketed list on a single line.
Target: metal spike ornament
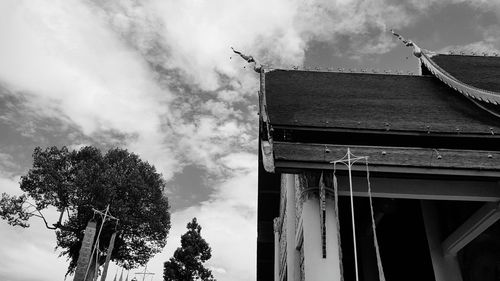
[(349, 160)]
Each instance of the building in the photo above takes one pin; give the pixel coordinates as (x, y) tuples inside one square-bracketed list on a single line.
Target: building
[(433, 147)]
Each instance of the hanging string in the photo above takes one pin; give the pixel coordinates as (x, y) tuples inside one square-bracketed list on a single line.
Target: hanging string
[(381, 275), (337, 219)]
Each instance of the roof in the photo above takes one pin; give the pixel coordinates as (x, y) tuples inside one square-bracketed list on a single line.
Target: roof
[(454, 105), (380, 102), (482, 72)]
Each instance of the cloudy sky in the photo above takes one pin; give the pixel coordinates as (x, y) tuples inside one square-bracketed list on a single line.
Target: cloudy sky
[(158, 77)]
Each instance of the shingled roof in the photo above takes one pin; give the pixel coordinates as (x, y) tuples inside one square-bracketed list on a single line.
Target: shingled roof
[(375, 102), (479, 71)]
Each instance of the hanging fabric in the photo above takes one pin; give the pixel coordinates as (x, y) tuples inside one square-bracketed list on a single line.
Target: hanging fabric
[(322, 214), (121, 276), (381, 275), (108, 256)]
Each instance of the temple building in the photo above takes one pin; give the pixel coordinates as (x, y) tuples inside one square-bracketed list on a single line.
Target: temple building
[(372, 176)]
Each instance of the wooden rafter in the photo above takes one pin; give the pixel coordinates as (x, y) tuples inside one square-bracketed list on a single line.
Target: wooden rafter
[(471, 228)]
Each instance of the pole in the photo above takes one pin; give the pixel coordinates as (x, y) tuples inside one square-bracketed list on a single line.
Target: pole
[(349, 164)]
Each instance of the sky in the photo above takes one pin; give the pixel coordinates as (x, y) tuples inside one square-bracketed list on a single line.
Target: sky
[(158, 78)]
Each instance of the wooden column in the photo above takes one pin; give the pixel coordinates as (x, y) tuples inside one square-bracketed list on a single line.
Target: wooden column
[(446, 267), (317, 267), (293, 263)]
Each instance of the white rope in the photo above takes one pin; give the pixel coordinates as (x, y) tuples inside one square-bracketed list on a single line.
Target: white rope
[(381, 275)]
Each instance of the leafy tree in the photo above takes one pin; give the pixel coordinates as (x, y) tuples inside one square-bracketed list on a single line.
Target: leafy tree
[(187, 262), (75, 182)]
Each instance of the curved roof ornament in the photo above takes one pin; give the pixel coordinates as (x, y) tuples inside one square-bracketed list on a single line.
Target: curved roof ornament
[(256, 66), (475, 94), (408, 43)]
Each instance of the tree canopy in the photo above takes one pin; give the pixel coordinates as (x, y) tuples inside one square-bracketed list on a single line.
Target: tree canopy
[(78, 181), (187, 264)]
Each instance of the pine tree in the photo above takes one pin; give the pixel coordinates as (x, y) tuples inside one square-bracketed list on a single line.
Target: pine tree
[(187, 262)]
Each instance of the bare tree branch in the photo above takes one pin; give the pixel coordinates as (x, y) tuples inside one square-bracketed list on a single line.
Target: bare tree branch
[(40, 215)]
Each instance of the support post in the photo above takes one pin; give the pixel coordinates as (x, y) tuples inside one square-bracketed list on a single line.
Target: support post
[(446, 267), (317, 267), (293, 263)]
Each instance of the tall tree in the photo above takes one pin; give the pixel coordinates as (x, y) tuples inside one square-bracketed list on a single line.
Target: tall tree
[(76, 182), (187, 262)]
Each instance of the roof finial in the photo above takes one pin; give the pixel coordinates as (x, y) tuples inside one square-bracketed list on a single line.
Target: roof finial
[(249, 59), (408, 43)]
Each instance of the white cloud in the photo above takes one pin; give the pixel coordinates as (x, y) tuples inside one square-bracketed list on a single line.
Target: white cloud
[(229, 96), (10, 185), (240, 160), (221, 110), (64, 56)]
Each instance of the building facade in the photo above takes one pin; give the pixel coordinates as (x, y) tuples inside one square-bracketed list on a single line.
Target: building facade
[(427, 176)]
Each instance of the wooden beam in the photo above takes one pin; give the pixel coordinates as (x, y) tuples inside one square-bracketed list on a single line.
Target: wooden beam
[(455, 159), (285, 166), (471, 228), (426, 189)]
